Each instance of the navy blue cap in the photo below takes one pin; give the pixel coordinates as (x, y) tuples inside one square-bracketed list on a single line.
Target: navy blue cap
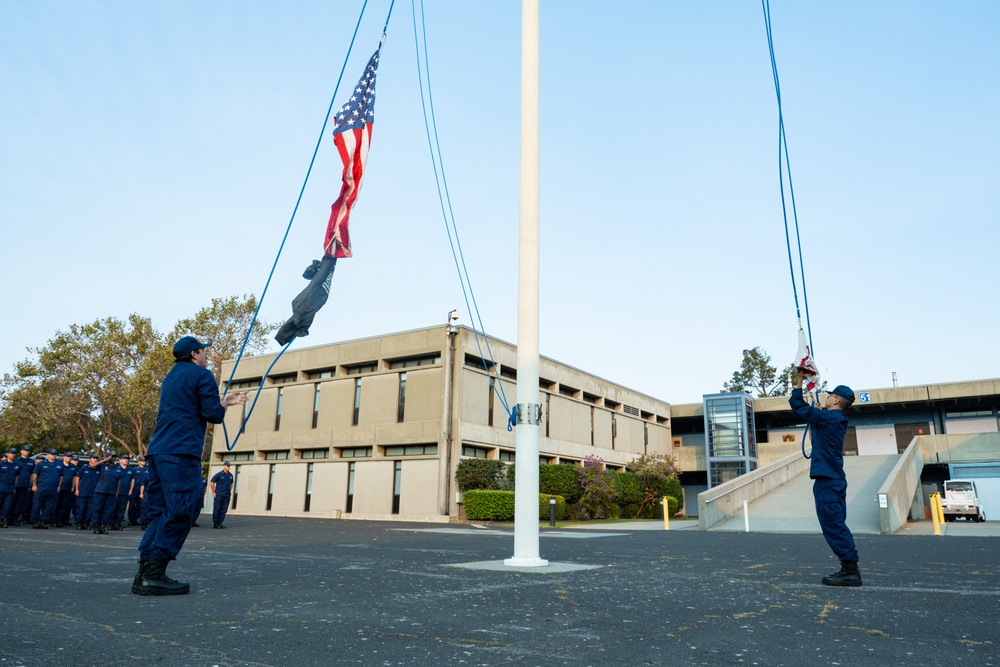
[(12, 450), (25, 447), (74, 458), (40, 457), (124, 456), (67, 454), (188, 344), (140, 458), (843, 391), (94, 456), (227, 463), (52, 451)]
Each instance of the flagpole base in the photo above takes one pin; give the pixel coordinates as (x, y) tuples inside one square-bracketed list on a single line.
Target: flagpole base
[(525, 562)]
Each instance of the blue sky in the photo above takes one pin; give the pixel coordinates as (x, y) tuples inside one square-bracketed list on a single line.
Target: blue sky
[(152, 154)]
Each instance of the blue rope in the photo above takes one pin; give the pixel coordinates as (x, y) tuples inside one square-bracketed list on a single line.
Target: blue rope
[(243, 423), (784, 164), (444, 197), (298, 201)]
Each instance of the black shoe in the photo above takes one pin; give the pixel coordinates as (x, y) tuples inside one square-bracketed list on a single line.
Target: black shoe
[(80, 526), (154, 581), (194, 524), (220, 525), (3, 523), (848, 575), (36, 525), (137, 581)]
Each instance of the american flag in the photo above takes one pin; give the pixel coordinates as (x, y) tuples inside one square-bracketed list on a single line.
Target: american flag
[(806, 365), (352, 136)]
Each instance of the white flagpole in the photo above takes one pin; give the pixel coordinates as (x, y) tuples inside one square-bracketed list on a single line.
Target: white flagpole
[(528, 405)]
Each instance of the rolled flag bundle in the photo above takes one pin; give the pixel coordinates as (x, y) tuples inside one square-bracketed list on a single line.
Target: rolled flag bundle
[(806, 365)]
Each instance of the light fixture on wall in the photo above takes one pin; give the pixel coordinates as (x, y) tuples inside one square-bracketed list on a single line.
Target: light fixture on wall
[(452, 317)]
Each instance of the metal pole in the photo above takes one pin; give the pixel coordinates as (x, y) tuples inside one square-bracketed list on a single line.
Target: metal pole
[(746, 517), (529, 409)]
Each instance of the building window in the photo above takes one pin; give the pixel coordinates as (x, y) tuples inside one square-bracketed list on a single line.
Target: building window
[(489, 415), (355, 452), (365, 367), (505, 455), (309, 485), (316, 390), (548, 402), (410, 362), (270, 487), (236, 484), (401, 408), (357, 401), (508, 372), (252, 383), (569, 391), (277, 412), (614, 431), (411, 450), (238, 456), (321, 374), (475, 452), (396, 482), (968, 414), (283, 379), (316, 453), (276, 456), (472, 361), (350, 487)]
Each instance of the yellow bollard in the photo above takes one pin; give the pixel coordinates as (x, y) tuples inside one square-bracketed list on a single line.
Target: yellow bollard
[(940, 508), (666, 514), (934, 498)]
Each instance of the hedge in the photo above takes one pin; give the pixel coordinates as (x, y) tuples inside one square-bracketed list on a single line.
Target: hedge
[(482, 505)]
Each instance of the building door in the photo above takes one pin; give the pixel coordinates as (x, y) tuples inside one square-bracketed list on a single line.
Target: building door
[(906, 432), (851, 442)]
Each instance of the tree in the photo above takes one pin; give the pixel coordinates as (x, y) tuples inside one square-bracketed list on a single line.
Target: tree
[(757, 376), (225, 323), (102, 378), (656, 472)]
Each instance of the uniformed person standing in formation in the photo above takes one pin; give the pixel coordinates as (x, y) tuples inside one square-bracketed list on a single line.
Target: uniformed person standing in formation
[(45, 480), (140, 475), (67, 473), (8, 474), (126, 479), (222, 484), (83, 487), (102, 511), (22, 487), (189, 399)]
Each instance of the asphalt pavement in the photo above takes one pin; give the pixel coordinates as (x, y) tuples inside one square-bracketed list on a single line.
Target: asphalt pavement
[(301, 592)]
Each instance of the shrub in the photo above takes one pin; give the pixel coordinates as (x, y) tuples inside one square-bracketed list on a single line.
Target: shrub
[(629, 487), (473, 474), (599, 490), (561, 479), (489, 505)]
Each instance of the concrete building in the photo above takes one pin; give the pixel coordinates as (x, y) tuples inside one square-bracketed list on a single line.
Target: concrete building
[(374, 428)]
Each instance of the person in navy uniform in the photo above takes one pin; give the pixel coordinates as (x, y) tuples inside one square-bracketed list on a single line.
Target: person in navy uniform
[(22, 486), (67, 473), (8, 475), (127, 481), (189, 400), (202, 487), (102, 512), (829, 426), (83, 488), (222, 484), (139, 474), (45, 478)]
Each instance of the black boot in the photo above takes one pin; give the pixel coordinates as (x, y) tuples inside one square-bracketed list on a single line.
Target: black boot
[(80, 526), (848, 575), (137, 581), (154, 581)]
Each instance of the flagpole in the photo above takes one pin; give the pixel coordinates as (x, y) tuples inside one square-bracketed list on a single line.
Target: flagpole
[(528, 405)]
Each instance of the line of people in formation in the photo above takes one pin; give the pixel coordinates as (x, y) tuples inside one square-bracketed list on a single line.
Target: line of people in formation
[(98, 495)]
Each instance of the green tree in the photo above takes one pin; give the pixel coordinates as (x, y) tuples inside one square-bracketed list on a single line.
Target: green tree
[(225, 322), (102, 378), (757, 376), (658, 474)]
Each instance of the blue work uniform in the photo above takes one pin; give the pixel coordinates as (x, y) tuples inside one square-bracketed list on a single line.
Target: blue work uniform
[(22, 489), (43, 505), (827, 471), (86, 482), (135, 514), (189, 400), (103, 510), (126, 474), (67, 472), (201, 501), (223, 481), (8, 474)]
